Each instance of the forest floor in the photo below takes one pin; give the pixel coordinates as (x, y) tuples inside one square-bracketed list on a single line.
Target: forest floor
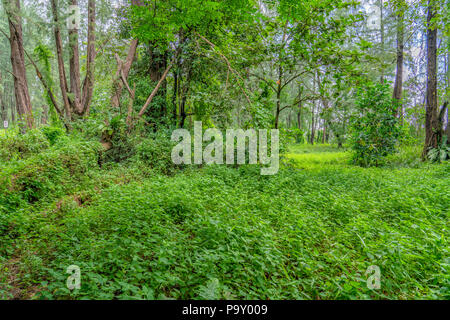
[(309, 232)]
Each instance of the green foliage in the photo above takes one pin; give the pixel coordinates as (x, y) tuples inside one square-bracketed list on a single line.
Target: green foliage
[(53, 133), (374, 127), (224, 233), (46, 174), (155, 152), (21, 146), (441, 153)]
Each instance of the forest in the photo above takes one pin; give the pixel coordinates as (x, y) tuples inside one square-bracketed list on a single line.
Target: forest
[(97, 98)]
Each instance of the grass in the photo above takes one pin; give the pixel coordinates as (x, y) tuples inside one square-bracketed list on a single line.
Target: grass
[(309, 232)]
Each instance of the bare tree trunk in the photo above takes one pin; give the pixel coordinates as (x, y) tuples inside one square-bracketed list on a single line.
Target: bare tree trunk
[(88, 83), (175, 91), (299, 115), (433, 127), (382, 38), (124, 68), (12, 105), (313, 125), (74, 67), (3, 110), (399, 73), (23, 101), (61, 69), (277, 112)]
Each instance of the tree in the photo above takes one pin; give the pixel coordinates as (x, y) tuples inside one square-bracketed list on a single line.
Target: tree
[(374, 126), (75, 99), (398, 85), (433, 118), (23, 101)]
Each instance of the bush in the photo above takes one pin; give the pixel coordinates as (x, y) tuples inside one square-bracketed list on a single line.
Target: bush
[(52, 133), (156, 152), (21, 146), (46, 174), (374, 127)]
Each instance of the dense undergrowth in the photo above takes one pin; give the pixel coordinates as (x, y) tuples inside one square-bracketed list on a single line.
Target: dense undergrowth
[(142, 229)]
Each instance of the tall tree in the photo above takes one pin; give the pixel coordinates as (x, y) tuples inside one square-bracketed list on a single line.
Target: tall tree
[(398, 85), (433, 125), (78, 101), (22, 95)]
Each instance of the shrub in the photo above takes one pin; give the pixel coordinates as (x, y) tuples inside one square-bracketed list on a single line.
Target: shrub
[(52, 133), (47, 173), (156, 152), (21, 146), (374, 127)]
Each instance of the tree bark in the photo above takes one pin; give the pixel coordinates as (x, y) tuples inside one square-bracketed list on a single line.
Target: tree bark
[(299, 115), (88, 83), (3, 109), (433, 127), (61, 68), (23, 101), (74, 67), (382, 38), (125, 68), (399, 73), (277, 112)]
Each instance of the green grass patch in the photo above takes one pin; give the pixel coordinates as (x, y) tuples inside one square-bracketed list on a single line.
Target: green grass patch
[(309, 232)]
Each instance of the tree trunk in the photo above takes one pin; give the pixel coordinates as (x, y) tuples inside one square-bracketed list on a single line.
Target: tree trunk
[(12, 105), (23, 101), (277, 113), (433, 127), (175, 91), (3, 109), (399, 73), (61, 68), (88, 83), (125, 68), (313, 125), (382, 38), (74, 67), (299, 115)]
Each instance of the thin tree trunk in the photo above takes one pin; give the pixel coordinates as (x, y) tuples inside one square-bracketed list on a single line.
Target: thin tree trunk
[(277, 114), (23, 101), (382, 37), (61, 69), (12, 105), (88, 83), (74, 67), (125, 68), (312, 124), (433, 127), (175, 91), (3, 109), (399, 73)]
